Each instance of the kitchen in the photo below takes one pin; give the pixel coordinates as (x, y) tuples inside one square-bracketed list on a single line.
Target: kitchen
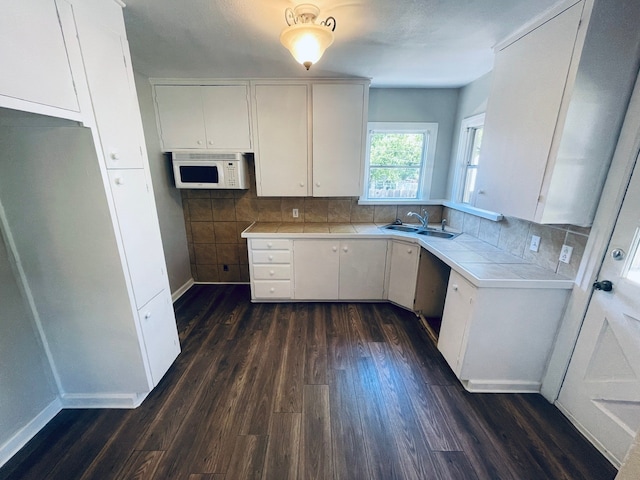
[(383, 105)]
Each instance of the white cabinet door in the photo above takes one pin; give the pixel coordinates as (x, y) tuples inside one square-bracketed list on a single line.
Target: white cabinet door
[(158, 324), (113, 94), (180, 117), (458, 309), (529, 81), (403, 273), (316, 269), (282, 132), (362, 269), (338, 132), (138, 222), (34, 61), (226, 117)]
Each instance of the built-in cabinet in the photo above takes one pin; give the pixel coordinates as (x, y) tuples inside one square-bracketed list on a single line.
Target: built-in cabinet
[(499, 339), (107, 320), (204, 117), (34, 60), (403, 273), (548, 138), (270, 264), (309, 138), (339, 269)]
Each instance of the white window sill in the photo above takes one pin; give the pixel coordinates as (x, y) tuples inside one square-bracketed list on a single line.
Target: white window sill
[(391, 201), (478, 212)]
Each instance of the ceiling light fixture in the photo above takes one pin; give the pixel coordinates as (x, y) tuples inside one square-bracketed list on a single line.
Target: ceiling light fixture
[(305, 39)]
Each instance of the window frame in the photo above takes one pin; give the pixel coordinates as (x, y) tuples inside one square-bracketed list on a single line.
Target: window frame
[(465, 143), (430, 130)]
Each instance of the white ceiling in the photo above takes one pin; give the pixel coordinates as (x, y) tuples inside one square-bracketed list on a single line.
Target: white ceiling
[(396, 43)]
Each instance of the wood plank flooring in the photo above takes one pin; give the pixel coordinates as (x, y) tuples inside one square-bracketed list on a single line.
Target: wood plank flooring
[(306, 391)]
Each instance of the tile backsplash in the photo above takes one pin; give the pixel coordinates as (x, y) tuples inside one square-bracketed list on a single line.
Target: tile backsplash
[(513, 235), (215, 219)]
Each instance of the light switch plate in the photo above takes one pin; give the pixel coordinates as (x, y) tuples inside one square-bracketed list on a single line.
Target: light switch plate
[(565, 253), (295, 213), (535, 243)]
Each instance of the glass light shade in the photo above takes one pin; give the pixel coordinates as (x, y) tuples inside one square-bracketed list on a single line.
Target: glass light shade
[(306, 42)]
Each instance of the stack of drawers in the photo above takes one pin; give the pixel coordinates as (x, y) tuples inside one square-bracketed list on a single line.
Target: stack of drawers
[(270, 261)]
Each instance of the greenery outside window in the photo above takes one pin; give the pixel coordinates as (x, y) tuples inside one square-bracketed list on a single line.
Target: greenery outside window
[(399, 161), (468, 157)]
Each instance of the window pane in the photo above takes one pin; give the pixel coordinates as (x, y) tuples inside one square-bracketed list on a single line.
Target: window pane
[(469, 184), (396, 149), (476, 142), (394, 182)]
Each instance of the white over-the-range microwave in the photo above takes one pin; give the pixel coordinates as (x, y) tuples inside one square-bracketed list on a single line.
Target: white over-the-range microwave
[(210, 170)]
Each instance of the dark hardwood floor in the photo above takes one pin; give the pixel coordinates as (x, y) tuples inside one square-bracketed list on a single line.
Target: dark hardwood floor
[(333, 390)]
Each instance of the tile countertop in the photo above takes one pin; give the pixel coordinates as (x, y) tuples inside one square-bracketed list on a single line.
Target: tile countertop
[(479, 262)]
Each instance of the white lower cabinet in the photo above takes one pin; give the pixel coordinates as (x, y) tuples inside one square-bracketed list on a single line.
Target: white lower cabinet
[(327, 269), (499, 339), (403, 273), (158, 325), (270, 269)]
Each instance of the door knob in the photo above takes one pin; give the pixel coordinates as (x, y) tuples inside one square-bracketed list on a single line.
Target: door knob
[(617, 254), (604, 285)]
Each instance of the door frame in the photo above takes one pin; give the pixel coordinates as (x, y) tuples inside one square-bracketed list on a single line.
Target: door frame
[(613, 193)]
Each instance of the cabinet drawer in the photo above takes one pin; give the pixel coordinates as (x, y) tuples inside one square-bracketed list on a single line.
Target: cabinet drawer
[(272, 272), (270, 244), (277, 256), (274, 289)]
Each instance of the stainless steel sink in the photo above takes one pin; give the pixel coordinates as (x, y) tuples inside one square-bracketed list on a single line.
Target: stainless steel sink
[(437, 233), (429, 232), (401, 228)]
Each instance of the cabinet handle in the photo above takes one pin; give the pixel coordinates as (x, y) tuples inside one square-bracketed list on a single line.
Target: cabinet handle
[(409, 251), (199, 142), (210, 142), (272, 273), (119, 181), (335, 249), (345, 249), (269, 245), (480, 192), (317, 184), (270, 257), (302, 184), (147, 315), (272, 290), (454, 287), (115, 156)]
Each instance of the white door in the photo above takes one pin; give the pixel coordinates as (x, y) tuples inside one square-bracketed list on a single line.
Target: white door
[(226, 117), (601, 390), (403, 273), (180, 116), (316, 269)]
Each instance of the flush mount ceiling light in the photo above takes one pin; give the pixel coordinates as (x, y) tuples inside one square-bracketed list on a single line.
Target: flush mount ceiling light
[(305, 39)]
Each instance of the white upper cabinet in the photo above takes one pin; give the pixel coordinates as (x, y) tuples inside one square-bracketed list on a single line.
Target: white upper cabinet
[(338, 139), (105, 54), (310, 138), (35, 67), (548, 136), (203, 117), (282, 135)]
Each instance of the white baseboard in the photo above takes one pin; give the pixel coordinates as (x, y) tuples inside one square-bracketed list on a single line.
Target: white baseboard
[(118, 400), (496, 386), (26, 433), (181, 291)]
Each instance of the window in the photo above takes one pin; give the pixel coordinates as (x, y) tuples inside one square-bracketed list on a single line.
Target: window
[(468, 157), (399, 162)]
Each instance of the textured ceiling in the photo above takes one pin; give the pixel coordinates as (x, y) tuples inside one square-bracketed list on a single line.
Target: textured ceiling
[(396, 43)]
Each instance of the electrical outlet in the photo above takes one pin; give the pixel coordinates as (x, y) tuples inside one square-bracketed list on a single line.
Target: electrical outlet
[(295, 213), (535, 243), (565, 253)]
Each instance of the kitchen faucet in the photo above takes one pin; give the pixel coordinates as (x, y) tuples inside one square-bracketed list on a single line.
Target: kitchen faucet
[(424, 219)]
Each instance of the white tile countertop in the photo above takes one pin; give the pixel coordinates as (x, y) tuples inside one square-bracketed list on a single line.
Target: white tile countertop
[(479, 262)]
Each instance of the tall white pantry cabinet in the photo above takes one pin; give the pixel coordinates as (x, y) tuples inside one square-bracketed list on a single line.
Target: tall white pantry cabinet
[(78, 213)]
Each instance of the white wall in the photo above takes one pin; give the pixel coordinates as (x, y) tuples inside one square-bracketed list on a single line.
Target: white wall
[(168, 198), (472, 101), (421, 105), (26, 382)]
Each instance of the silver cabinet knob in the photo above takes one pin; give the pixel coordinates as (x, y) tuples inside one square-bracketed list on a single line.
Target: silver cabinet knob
[(618, 254)]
